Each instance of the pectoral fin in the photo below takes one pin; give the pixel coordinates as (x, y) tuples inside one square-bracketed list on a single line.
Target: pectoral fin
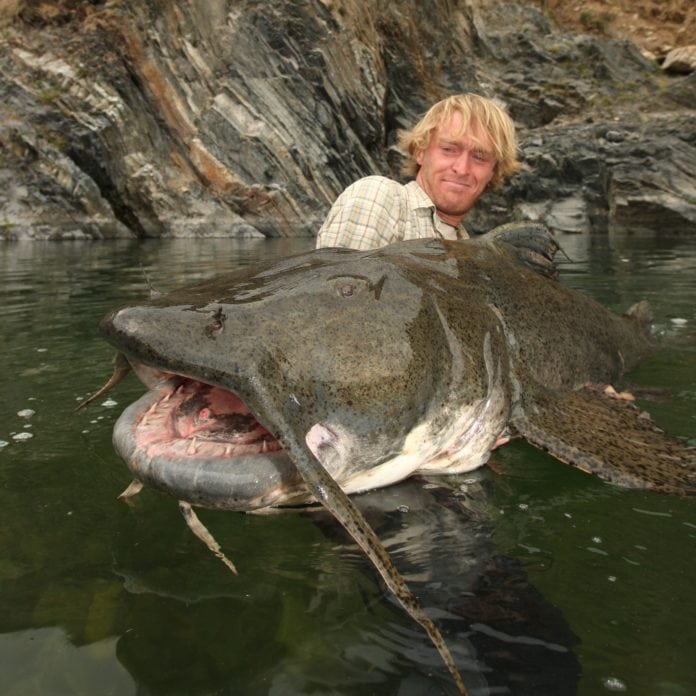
[(608, 437)]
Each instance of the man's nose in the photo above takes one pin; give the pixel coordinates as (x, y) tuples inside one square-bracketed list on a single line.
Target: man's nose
[(462, 163)]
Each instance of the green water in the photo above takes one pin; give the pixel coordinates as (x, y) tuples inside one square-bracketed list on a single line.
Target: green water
[(97, 597)]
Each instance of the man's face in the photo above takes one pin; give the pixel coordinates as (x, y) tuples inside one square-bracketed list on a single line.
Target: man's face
[(455, 169)]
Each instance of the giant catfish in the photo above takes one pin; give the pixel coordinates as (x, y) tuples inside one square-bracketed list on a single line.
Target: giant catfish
[(337, 371)]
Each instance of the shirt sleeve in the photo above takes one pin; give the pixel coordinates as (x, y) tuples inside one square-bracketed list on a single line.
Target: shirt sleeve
[(365, 216)]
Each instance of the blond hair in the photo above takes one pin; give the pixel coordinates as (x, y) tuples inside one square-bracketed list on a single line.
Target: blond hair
[(476, 111)]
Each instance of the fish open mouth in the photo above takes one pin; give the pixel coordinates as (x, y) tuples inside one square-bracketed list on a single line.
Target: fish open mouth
[(196, 420), (202, 444)]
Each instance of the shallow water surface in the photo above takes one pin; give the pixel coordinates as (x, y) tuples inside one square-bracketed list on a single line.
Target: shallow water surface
[(544, 580)]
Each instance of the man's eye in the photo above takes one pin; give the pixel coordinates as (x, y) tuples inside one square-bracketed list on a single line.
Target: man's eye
[(483, 157)]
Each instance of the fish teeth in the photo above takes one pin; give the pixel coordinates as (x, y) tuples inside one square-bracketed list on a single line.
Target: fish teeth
[(150, 411), (193, 447)]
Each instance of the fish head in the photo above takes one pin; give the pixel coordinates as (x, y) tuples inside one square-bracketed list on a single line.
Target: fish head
[(348, 352)]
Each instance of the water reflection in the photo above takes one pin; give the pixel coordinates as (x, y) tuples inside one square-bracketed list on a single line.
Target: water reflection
[(96, 593)]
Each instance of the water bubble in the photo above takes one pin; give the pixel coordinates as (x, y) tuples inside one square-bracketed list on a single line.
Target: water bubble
[(3, 443), (613, 684), (110, 403), (26, 413), (677, 321), (23, 436), (597, 540), (403, 508), (523, 506)]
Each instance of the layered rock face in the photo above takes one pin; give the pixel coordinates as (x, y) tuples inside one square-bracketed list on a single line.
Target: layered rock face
[(239, 118)]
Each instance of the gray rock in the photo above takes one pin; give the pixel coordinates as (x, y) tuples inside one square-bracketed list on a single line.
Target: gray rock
[(235, 119)]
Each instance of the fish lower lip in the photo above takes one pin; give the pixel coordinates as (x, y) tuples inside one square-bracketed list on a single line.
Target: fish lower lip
[(201, 444)]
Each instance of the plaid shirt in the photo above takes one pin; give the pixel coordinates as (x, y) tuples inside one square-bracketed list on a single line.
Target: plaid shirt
[(376, 211)]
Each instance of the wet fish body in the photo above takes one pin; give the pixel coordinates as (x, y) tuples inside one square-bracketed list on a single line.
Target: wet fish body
[(335, 372), (413, 358)]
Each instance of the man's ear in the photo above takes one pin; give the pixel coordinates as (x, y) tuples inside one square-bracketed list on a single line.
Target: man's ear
[(419, 156)]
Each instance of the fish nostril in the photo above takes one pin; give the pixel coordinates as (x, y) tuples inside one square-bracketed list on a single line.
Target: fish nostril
[(346, 290), (214, 328), (216, 324)]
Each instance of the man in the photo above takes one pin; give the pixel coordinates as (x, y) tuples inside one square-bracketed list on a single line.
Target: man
[(462, 144)]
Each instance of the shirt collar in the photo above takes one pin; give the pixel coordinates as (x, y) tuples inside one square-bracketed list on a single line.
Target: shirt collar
[(418, 199)]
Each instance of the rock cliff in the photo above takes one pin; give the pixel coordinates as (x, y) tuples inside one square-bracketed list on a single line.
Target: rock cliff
[(237, 118)]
